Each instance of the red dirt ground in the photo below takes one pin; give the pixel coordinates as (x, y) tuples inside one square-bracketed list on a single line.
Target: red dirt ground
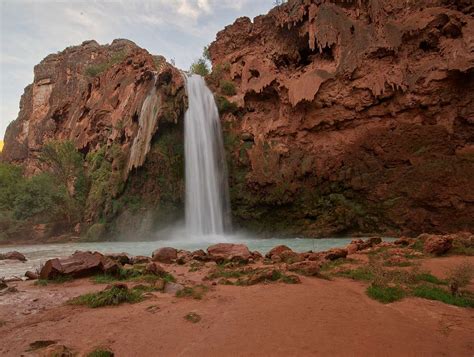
[(317, 317)]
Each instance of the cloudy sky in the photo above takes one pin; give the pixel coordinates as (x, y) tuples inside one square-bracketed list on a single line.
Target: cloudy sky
[(176, 29)]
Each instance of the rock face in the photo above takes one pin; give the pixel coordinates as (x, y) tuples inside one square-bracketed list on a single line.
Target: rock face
[(121, 108), (350, 116)]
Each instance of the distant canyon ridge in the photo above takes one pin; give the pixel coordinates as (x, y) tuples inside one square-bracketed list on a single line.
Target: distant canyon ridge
[(339, 117)]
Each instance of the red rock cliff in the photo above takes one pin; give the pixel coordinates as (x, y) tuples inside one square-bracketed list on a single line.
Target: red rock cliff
[(353, 116), (119, 106)]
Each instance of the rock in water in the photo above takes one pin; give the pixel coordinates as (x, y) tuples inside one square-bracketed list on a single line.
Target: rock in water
[(13, 256)]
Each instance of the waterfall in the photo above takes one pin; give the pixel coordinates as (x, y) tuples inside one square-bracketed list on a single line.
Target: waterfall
[(207, 194), (146, 128)]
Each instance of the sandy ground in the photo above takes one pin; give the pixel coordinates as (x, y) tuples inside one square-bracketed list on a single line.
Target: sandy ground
[(315, 318)]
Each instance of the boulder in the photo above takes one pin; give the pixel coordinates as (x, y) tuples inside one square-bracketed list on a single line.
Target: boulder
[(184, 256), (200, 255), (165, 255), (404, 241), (335, 253), (229, 252), (278, 250), (154, 268), (256, 255), (437, 245), (352, 248), (310, 268), (79, 264), (31, 275), (13, 256)]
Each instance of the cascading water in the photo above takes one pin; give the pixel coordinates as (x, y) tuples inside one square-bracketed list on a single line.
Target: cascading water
[(146, 128), (207, 194)]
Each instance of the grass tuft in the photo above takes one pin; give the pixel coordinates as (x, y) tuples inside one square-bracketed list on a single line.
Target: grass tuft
[(429, 278), (109, 297), (101, 353), (196, 292), (385, 294), (61, 279), (439, 294), (192, 317)]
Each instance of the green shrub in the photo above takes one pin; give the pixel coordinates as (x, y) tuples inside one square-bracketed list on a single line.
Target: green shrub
[(437, 293), (96, 69), (113, 296), (10, 180), (101, 353), (228, 88), (224, 106), (200, 67), (39, 195), (385, 294)]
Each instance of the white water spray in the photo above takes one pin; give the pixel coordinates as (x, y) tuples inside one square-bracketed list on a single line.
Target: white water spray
[(207, 195)]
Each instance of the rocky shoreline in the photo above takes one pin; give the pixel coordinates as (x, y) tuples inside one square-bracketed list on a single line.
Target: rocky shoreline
[(407, 273)]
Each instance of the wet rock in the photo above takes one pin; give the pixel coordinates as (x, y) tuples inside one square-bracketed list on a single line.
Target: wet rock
[(13, 256), (31, 275), (437, 245), (165, 255), (309, 268), (229, 252), (172, 288), (335, 253), (80, 264)]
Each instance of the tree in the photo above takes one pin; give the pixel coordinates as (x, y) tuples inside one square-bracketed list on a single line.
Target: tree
[(200, 67)]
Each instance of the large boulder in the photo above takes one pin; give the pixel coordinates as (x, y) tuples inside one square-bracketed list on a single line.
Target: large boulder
[(165, 255), (437, 245), (13, 256), (229, 252), (278, 250), (78, 265)]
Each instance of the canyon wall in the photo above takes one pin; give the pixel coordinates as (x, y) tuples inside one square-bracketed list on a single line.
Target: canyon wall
[(92, 96), (350, 116), (340, 117)]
